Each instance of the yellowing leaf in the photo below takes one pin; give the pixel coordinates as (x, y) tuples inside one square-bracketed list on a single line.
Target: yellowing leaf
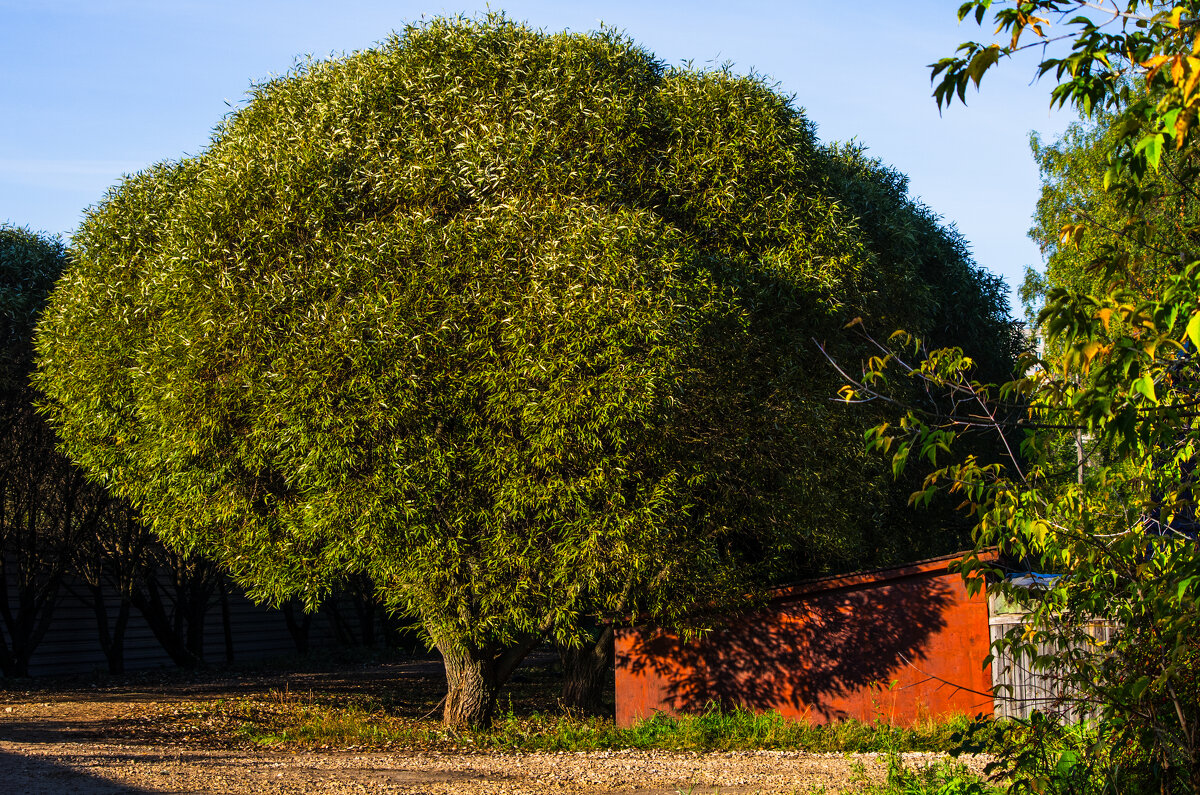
[(1193, 76), (1182, 122), (1071, 234), (1193, 330), (983, 59)]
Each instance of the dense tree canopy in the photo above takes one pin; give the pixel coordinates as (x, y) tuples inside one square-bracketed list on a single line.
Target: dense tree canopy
[(29, 265), (519, 326)]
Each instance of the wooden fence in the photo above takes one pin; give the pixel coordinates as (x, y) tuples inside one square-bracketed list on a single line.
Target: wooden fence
[(1018, 690)]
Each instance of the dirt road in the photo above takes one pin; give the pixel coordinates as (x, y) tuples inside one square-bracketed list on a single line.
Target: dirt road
[(93, 741)]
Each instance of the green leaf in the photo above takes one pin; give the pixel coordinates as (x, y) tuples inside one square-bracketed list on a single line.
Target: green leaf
[(1145, 386), (982, 61), (1150, 147)]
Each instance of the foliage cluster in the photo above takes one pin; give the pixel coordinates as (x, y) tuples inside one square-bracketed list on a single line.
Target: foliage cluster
[(516, 327), (937, 778), (1120, 317)]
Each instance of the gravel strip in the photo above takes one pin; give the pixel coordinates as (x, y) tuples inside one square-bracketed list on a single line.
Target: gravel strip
[(105, 740), (95, 768)]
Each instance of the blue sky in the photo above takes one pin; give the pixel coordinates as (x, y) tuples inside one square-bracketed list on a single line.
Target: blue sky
[(91, 90)]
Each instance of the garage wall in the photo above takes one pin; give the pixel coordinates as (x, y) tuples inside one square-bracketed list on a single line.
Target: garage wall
[(899, 645)]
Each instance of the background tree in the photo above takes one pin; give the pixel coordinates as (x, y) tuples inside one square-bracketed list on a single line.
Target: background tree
[(1095, 231), (46, 505), (515, 326), (110, 560), (919, 272), (58, 531), (174, 595)]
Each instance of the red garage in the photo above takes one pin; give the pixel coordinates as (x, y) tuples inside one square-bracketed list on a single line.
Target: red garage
[(898, 644)]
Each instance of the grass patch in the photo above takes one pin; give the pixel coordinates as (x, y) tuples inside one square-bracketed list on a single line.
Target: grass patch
[(717, 731), (309, 720)]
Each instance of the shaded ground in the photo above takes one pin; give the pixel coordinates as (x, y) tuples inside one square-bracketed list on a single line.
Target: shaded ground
[(150, 708), (142, 735)]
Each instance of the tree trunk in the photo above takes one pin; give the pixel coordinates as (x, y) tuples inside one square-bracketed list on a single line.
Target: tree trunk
[(112, 637), (298, 629), (474, 677), (364, 603), (587, 671), (470, 689), (28, 624), (226, 622), (342, 634), (149, 603), (116, 651)]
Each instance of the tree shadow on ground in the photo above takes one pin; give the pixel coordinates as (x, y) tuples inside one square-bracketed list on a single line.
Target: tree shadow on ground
[(35, 776)]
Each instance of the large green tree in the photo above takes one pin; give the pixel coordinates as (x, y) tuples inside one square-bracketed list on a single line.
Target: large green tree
[(517, 326)]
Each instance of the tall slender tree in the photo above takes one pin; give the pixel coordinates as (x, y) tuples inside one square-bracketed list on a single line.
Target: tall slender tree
[(1121, 316)]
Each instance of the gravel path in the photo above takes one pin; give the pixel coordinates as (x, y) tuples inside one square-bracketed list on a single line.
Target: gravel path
[(87, 741), (95, 768)]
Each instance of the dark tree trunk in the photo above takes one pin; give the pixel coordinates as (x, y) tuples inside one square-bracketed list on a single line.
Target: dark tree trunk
[(163, 630), (195, 639), (28, 623), (342, 634), (587, 672), (195, 592), (112, 636), (226, 622), (7, 661), (364, 608), (298, 629), (115, 653), (171, 628)]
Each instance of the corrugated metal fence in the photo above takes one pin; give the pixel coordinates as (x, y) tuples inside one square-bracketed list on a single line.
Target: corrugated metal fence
[(71, 645)]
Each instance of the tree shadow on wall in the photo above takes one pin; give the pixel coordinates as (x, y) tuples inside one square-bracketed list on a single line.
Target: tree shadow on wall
[(803, 654)]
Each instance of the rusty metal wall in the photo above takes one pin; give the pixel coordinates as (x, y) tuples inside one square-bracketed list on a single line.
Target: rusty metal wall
[(899, 645)]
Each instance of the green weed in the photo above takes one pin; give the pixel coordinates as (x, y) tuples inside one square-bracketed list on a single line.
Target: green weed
[(940, 777), (307, 720)]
